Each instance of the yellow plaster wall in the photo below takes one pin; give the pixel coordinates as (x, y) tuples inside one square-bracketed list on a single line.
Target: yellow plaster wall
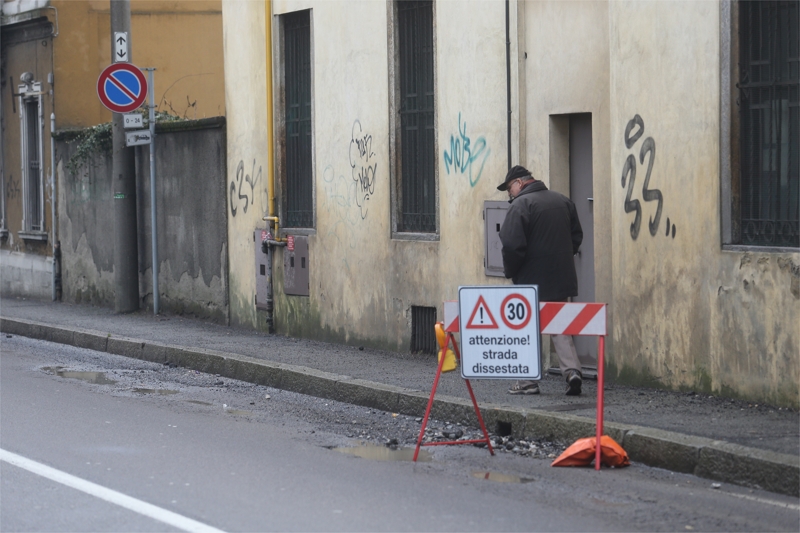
[(688, 314), (565, 72), (246, 102), (182, 39)]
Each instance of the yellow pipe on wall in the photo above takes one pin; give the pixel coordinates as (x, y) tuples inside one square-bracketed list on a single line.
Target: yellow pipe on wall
[(270, 142)]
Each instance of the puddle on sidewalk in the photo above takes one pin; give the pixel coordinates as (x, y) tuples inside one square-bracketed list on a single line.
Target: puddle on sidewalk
[(383, 453), (97, 378), (501, 478), (160, 392), (198, 402)]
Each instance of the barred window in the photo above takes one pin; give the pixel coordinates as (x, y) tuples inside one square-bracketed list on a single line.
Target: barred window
[(769, 140), (297, 102), (416, 187)]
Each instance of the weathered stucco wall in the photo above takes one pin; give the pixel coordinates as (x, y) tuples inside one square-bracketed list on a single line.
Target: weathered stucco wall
[(688, 314), (363, 281), (191, 218), (566, 71), (247, 162), (683, 312)]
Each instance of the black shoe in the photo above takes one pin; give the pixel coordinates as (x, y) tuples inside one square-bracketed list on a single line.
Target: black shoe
[(574, 383)]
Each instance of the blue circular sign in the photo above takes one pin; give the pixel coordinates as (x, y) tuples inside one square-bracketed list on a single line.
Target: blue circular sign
[(122, 87)]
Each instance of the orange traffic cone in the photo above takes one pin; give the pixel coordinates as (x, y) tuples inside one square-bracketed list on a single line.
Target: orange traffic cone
[(449, 355)]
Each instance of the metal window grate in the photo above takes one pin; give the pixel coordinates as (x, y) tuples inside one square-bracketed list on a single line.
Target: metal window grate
[(34, 186), (423, 336), (769, 115), (297, 46), (418, 179)]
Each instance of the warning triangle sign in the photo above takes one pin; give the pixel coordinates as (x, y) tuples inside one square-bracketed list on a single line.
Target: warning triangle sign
[(481, 317)]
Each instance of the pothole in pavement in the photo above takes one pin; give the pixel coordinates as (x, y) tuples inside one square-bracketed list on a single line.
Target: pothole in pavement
[(160, 392), (96, 378), (384, 453), (497, 477)]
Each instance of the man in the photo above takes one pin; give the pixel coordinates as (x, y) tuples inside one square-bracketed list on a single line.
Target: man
[(540, 236)]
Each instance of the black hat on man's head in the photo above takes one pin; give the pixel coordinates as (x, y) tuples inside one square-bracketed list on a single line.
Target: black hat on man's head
[(515, 172)]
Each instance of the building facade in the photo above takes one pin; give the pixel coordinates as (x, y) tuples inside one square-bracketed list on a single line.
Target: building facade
[(673, 127), (51, 55)]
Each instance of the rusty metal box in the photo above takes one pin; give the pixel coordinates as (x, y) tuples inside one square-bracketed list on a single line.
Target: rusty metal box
[(494, 213)]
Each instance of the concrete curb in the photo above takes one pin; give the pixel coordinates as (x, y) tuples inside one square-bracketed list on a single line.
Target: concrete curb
[(712, 459)]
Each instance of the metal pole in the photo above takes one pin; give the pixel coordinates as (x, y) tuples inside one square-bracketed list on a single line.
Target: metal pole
[(153, 226), (123, 180), (601, 363), (53, 195)]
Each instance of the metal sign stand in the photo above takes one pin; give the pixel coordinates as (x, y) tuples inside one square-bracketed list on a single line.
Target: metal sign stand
[(451, 339), (555, 318)]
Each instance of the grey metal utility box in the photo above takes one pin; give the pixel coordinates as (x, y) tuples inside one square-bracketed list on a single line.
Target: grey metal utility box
[(295, 266), (494, 213), (262, 269)]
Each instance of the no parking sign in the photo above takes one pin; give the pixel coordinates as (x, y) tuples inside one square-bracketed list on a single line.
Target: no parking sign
[(500, 332)]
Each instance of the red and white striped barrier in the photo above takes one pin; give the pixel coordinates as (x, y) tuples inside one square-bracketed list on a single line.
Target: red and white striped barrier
[(558, 318), (555, 318)]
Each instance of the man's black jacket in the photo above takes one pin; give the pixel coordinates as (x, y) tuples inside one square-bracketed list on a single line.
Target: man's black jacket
[(540, 235)]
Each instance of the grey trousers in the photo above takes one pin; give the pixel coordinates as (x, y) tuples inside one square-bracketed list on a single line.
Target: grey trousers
[(567, 356)]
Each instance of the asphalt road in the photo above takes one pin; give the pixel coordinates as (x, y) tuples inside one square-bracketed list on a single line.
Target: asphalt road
[(136, 446)]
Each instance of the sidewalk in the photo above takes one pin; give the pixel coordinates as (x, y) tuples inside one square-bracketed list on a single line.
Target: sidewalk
[(721, 439)]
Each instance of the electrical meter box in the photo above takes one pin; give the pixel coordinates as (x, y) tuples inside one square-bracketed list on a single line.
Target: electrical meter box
[(262, 270), (494, 213), (295, 265)]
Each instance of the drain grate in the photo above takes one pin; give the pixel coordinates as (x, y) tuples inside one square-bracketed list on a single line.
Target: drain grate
[(423, 336)]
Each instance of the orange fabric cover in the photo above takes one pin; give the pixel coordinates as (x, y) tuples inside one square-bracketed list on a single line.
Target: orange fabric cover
[(582, 453)]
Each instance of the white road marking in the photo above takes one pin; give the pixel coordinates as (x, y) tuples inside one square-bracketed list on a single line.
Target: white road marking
[(785, 505), (109, 495)]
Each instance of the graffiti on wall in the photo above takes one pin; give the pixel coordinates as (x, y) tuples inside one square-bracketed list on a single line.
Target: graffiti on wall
[(363, 166), (12, 188), (464, 154), (634, 131), (243, 188)]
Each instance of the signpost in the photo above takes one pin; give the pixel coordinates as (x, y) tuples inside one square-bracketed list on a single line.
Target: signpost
[(500, 332), (122, 87)]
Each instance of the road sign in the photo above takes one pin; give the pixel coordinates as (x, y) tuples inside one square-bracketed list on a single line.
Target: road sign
[(132, 120), (122, 87), (508, 348), (120, 47), (138, 137)]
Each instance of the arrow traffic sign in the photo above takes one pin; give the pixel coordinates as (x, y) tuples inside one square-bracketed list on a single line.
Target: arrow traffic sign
[(122, 87), (120, 47)]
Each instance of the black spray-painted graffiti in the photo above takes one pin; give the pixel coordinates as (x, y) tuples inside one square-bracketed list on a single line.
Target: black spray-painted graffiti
[(363, 166), (237, 184), (629, 176), (12, 188), (462, 155)]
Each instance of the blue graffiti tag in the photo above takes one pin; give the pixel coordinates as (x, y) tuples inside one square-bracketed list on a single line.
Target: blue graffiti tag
[(462, 155)]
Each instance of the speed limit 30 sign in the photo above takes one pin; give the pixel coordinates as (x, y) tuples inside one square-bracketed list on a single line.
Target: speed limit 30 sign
[(500, 332)]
